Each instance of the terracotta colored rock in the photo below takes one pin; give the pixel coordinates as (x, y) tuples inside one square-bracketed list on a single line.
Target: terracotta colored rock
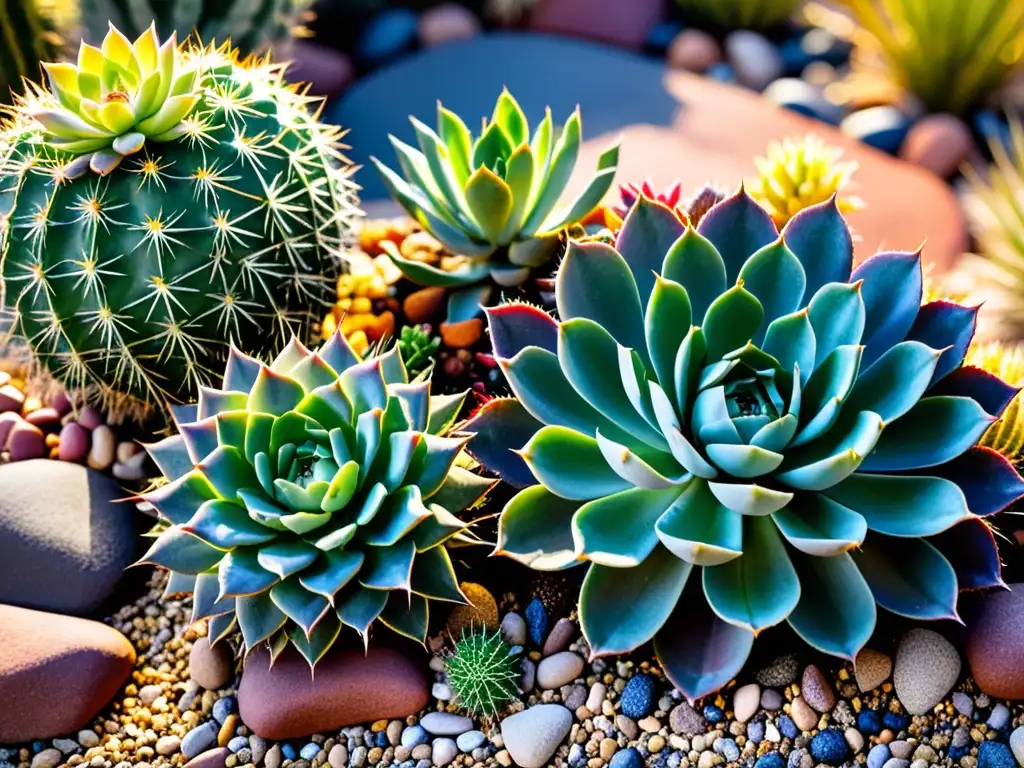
[(326, 70), (610, 21), (212, 668), (940, 143), (447, 23), (26, 441), (64, 540), (463, 334), (995, 642), (56, 672), (673, 125), (421, 305), (482, 612), (350, 687), (693, 50)]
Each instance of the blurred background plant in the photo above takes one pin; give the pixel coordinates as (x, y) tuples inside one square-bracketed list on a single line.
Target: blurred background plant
[(950, 54), (1007, 362), (994, 206), (251, 25), (29, 34), (739, 14)]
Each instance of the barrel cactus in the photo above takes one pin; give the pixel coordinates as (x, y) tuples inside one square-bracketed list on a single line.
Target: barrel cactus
[(492, 199), (735, 429), (251, 25), (158, 202), (314, 492)]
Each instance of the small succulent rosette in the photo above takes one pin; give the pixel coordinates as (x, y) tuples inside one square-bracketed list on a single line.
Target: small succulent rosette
[(492, 199), (317, 492), (735, 428)]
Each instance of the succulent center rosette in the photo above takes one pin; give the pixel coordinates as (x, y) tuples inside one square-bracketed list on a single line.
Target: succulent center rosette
[(316, 492), (735, 428), (116, 98)]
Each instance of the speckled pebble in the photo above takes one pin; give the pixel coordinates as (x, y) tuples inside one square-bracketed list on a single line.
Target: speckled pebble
[(528, 675), (745, 702), (871, 669), (829, 746), (927, 667), (48, 758), (999, 717), (901, 749), (537, 621), (816, 690), (638, 696), (993, 754), (1017, 744), (780, 672)]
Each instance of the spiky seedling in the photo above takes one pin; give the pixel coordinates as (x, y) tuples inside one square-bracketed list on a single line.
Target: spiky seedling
[(418, 348), (734, 428), (158, 202), (798, 173), (483, 673), (1006, 362), (724, 15), (492, 199), (316, 492), (251, 25)]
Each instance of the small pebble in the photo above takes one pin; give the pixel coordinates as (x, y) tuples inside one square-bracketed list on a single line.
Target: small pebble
[(444, 751), (537, 622), (878, 755), (513, 629), (445, 724), (560, 636), (693, 50), (746, 701), (638, 696), (755, 60), (168, 745), (470, 740), (829, 746), (48, 758), (816, 691), (560, 669), (804, 717), (627, 758)]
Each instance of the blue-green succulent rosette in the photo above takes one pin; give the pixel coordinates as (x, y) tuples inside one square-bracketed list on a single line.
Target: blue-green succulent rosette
[(314, 493), (735, 428)]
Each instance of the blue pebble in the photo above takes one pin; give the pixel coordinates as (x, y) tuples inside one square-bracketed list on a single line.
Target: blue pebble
[(788, 727), (638, 696), (795, 758), (713, 714), (829, 746), (222, 708), (955, 753), (878, 755), (869, 722), (883, 128), (729, 750), (237, 743), (771, 760), (896, 721), (388, 34), (414, 735), (627, 758), (38, 746), (661, 35), (537, 621), (381, 740), (794, 57), (802, 97), (289, 751), (721, 72), (994, 754), (755, 731), (309, 751)]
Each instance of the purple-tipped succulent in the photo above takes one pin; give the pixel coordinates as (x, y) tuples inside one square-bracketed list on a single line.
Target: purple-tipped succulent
[(733, 428)]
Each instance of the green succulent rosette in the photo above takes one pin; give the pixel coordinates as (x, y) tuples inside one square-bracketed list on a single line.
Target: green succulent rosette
[(492, 198), (317, 492), (734, 428)]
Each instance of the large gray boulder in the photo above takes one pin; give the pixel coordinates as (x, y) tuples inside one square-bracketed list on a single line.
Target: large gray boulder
[(64, 540)]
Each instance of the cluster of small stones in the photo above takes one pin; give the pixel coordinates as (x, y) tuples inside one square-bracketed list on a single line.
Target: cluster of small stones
[(49, 427), (619, 713)]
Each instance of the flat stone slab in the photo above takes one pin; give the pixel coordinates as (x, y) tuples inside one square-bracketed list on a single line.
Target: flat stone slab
[(672, 124), (64, 540)]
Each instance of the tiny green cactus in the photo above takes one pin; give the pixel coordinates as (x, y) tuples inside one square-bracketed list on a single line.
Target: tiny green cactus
[(483, 673), (491, 199), (418, 348), (250, 25), (158, 202)]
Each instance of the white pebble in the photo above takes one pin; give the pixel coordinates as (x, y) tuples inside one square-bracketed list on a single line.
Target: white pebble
[(513, 628), (445, 750), (104, 442), (441, 691), (558, 670), (48, 758), (745, 702), (596, 697), (88, 739), (166, 745)]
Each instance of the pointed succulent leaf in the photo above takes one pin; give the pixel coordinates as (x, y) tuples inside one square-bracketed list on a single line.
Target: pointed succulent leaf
[(909, 577), (694, 263), (816, 525), (618, 530), (699, 652), (989, 481), (513, 327), (749, 498), (570, 464), (667, 324), (902, 506), (258, 618), (896, 381), (697, 528), (733, 319), (775, 277), (738, 227), (971, 549), (361, 608), (390, 567), (648, 232), (892, 298), (623, 608), (501, 428), (535, 528), (836, 313), (433, 576), (177, 549), (489, 199), (821, 240), (946, 326), (171, 457), (836, 613)]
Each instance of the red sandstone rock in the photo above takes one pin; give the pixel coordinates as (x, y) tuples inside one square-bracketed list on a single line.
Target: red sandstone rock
[(289, 702), (995, 642), (56, 672)]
